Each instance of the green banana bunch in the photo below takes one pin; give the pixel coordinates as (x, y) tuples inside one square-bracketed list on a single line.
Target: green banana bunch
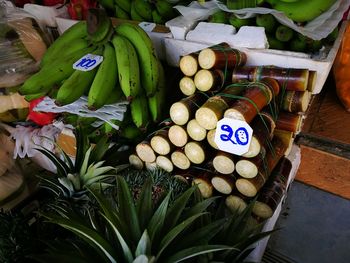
[(139, 111), (301, 11), (120, 12), (157, 101), (108, 5), (134, 14), (128, 66), (105, 79), (51, 75), (146, 54), (77, 84), (99, 26), (157, 18), (144, 9), (66, 41), (116, 95), (165, 9), (124, 4)]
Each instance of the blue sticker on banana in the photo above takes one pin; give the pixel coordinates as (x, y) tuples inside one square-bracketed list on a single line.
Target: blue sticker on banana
[(88, 62)]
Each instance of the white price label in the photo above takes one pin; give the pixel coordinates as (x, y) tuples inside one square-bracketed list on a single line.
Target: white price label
[(88, 62), (233, 136), (147, 26)]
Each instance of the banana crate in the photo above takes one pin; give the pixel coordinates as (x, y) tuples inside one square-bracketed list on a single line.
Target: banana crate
[(180, 45)]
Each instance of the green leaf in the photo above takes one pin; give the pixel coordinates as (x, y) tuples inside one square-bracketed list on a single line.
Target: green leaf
[(173, 233), (176, 208), (62, 168), (127, 209), (82, 145), (199, 207), (84, 165), (144, 245), (195, 251), (156, 223), (99, 178), (126, 250), (99, 150), (89, 235), (141, 259), (58, 258), (144, 205)]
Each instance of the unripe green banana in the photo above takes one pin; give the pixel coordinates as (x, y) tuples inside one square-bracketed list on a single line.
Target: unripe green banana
[(128, 66), (130, 132), (76, 85), (120, 12), (139, 111), (99, 26), (274, 43), (124, 4), (239, 22), (144, 9), (51, 75), (134, 14), (266, 21), (30, 97), (297, 45), (157, 18), (284, 33), (302, 11), (147, 57), (72, 34), (108, 5), (105, 79), (157, 101), (116, 95), (165, 9)]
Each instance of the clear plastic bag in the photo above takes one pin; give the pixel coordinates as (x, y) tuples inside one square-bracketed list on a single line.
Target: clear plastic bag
[(22, 45)]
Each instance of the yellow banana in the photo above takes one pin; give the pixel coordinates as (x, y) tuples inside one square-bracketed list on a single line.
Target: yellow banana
[(105, 79), (76, 85), (52, 75), (147, 57), (128, 66)]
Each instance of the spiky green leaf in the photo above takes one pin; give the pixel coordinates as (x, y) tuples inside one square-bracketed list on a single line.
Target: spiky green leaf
[(199, 207), (62, 168), (82, 145), (84, 165), (144, 245), (99, 150), (144, 205)]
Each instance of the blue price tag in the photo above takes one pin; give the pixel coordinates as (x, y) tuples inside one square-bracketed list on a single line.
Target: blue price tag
[(233, 136), (88, 62)]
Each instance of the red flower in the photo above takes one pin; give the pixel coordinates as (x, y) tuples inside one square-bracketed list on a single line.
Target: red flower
[(40, 118)]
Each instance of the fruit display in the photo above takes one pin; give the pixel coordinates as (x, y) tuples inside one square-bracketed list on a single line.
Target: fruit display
[(156, 11), (130, 69), (279, 36)]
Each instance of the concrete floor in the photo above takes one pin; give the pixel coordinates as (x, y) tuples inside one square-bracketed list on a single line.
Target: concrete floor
[(315, 228)]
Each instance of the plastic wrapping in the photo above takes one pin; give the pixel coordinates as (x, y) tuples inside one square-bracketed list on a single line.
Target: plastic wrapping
[(341, 70), (22, 45), (316, 29)]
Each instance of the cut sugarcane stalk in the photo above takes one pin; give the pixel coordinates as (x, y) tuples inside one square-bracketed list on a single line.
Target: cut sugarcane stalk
[(250, 186), (211, 139), (160, 143), (184, 110), (288, 78), (295, 101), (254, 148), (223, 183), (196, 131), (256, 97), (288, 121), (312, 81), (165, 163), (189, 64), (196, 152), (145, 152), (135, 161), (213, 109), (209, 80), (224, 162), (235, 203), (203, 181), (178, 136), (222, 57), (249, 167), (272, 192), (151, 166), (180, 160), (187, 86), (287, 138)]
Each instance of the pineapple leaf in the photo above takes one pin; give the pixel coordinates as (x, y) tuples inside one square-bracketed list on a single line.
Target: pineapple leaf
[(96, 171), (126, 250), (144, 203), (66, 183), (57, 258), (98, 178), (127, 209), (158, 218), (200, 207), (82, 145), (84, 165), (141, 259), (99, 150), (177, 208), (89, 235), (62, 168), (173, 233), (195, 251), (144, 245)]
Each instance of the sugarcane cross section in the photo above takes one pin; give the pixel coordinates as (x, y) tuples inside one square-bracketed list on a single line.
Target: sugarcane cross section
[(233, 136)]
